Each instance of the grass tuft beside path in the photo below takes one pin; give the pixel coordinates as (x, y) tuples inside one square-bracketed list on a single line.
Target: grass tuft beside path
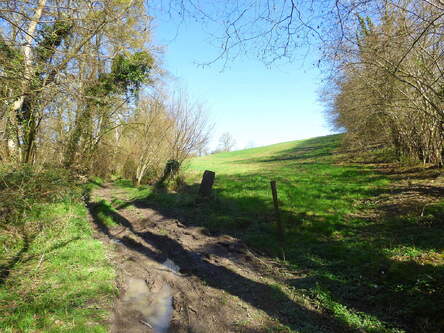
[(55, 276)]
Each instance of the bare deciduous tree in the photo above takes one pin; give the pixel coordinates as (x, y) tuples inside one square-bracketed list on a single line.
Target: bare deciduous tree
[(388, 84), (226, 142)]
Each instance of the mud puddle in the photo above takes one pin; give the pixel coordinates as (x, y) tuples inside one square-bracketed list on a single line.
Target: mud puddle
[(177, 278)]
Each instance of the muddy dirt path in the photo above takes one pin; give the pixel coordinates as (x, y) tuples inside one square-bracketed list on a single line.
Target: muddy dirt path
[(175, 278)]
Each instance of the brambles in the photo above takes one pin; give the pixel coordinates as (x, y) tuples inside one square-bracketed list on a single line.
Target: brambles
[(22, 189)]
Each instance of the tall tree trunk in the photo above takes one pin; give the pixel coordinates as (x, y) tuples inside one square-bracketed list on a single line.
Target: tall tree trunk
[(16, 139)]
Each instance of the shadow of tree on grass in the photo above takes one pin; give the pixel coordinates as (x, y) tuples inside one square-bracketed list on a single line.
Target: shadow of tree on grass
[(386, 271), (262, 296), (356, 271)]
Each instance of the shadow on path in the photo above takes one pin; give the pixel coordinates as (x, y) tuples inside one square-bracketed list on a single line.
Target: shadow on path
[(262, 296)]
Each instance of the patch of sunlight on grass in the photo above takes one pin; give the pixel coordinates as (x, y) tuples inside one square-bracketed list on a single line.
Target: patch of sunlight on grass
[(134, 192), (103, 212), (355, 319), (64, 282)]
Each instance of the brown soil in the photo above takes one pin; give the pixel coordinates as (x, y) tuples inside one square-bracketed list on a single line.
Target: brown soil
[(220, 284)]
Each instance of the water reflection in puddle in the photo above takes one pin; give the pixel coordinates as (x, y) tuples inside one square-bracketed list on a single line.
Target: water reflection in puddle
[(155, 306)]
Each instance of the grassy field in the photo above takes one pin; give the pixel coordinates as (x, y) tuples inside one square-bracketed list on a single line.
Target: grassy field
[(54, 276), (366, 245), (374, 271)]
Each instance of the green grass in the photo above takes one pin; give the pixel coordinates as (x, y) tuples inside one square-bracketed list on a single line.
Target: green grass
[(357, 320), (373, 275), (55, 276), (93, 183), (315, 195), (103, 210), (133, 192)]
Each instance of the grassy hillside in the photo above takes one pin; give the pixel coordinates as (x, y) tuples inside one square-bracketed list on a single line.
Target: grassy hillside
[(315, 192), (375, 268)]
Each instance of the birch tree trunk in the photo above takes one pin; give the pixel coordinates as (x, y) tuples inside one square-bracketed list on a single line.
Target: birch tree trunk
[(16, 134)]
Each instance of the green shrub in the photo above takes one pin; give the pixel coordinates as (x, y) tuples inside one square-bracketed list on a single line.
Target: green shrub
[(23, 188)]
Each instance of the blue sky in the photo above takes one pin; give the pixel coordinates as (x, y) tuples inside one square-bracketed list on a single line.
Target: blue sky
[(255, 103)]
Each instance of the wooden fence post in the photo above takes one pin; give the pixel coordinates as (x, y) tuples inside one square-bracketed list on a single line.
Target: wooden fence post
[(206, 184), (276, 210)]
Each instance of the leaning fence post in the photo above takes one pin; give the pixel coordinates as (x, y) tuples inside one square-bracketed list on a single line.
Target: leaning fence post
[(206, 184), (276, 210)]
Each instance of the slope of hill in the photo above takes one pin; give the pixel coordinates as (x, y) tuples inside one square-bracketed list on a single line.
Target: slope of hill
[(368, 234), (313, 186)]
